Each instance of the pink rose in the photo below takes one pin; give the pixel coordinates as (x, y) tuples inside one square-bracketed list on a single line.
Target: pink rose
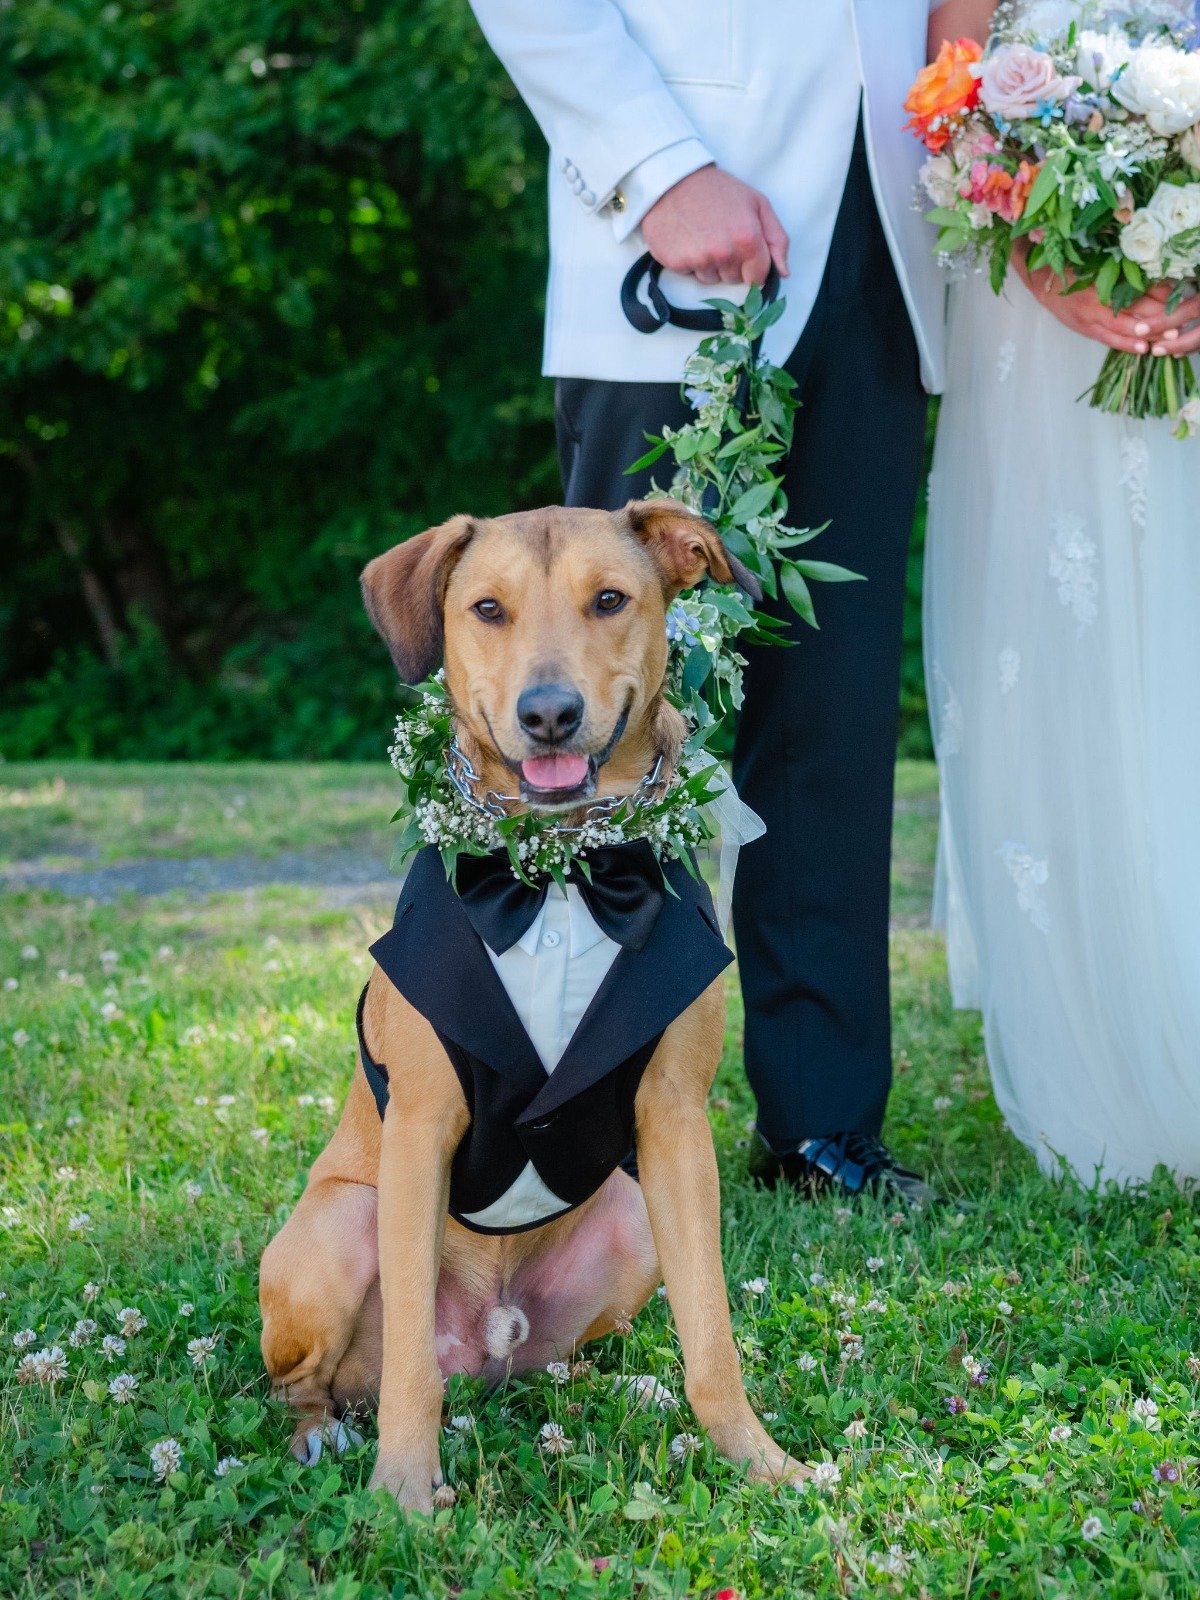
[(1016, 80)]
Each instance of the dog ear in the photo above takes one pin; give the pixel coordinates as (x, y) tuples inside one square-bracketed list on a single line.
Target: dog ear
[(404, 589), (685, 547)]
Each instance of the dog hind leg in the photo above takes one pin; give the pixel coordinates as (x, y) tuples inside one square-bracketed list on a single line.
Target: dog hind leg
[(316, 1273)]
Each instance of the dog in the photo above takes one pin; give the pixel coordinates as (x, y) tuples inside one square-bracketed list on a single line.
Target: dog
[(551, 624)]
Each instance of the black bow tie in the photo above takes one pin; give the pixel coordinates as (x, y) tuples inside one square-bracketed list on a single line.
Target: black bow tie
[(623, 890)]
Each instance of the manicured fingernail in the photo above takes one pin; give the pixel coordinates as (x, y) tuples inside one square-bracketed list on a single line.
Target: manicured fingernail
[(1141, 328), (1159, 350), (1142, 347), (1171, 333)]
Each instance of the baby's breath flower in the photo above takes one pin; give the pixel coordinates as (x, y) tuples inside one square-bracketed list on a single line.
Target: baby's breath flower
[(81, 1333), (166, 1457), (132, 1321), (201, 1349), (553, 1440), (122, 1388)]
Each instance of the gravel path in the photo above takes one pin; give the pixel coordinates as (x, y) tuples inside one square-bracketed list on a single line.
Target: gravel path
[(358, 871)]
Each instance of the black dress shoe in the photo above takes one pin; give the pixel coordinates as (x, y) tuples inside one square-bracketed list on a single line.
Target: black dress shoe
[(846, 1164)]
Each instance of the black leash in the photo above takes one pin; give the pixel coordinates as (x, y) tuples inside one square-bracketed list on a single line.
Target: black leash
[(649, 318)]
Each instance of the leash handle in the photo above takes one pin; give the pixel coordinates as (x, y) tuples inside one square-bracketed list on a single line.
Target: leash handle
[(702, 319), (650, 318)]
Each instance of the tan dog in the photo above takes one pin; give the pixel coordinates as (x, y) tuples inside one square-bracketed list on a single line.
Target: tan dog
[(554, 641)]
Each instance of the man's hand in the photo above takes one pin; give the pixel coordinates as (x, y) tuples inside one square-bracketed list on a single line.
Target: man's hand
[(1145, 328), (717, 229)]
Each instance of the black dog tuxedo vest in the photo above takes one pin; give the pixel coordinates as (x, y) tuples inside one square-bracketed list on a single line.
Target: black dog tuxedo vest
[(574, 1125)]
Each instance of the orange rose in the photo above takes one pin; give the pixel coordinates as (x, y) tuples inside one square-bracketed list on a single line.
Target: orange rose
[(944, 91)]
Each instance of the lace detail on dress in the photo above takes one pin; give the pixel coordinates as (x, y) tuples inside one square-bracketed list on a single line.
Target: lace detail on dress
[(949, 733), (1030, 876), (1135, 469), (1073, 568), (1005, 360), (1009, 663)]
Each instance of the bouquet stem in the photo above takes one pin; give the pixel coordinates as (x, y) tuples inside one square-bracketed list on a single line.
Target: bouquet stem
[(1144, 386)]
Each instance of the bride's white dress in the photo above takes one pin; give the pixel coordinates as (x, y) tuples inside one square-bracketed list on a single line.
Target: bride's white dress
[(1062, 628)]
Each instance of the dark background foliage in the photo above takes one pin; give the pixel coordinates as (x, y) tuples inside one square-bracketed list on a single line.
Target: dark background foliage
[(271, 285)]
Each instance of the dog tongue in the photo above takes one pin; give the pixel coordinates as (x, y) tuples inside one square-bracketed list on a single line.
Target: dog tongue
[(554, 772)]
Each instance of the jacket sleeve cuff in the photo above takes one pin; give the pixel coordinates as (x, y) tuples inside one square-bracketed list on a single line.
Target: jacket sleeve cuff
[(650, 179)]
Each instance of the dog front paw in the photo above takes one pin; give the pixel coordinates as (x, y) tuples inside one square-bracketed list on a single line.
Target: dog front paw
[(413, 1481)]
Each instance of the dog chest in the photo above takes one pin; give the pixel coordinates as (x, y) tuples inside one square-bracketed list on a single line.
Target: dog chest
[(549, 1039)]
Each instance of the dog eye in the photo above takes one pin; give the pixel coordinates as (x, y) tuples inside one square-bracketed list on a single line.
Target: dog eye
[(490, 610), (610, 600)]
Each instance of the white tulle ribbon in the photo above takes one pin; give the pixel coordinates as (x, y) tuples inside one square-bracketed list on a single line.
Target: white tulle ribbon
[(736, 825)]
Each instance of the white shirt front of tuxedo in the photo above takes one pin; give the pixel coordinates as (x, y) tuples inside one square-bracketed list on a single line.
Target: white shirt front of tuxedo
[(633, 95)]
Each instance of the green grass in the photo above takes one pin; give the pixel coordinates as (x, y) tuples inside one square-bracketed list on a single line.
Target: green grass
[(111, 1086)]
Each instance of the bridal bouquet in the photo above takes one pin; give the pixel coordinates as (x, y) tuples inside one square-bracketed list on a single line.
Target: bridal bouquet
[(1075, 136)]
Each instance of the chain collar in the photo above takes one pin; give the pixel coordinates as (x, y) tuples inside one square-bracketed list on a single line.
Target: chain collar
[(495, 805)]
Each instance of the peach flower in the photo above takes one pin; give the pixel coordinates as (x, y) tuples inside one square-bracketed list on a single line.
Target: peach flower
[(1002, 192), (943, 93)]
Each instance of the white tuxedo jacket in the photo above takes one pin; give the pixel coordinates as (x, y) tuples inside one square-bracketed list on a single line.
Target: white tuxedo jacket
[(632, 95)]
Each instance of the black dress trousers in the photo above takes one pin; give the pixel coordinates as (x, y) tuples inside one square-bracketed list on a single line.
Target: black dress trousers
[(816, 740)]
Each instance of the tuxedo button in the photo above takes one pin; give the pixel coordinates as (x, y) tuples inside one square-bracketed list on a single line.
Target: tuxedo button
[(542, 1123), (570, 171), (588, 198), (578, 186), (551, 939)]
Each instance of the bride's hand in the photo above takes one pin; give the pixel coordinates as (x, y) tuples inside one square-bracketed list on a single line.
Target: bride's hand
[(1146, 326)]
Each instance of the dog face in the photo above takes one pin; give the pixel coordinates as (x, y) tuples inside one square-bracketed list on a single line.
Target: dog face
[(553, 629)]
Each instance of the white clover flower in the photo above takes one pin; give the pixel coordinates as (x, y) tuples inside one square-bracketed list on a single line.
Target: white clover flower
[(111, 1347), (682, 1445), (165, 952), (842, 1215), (971, 1366), (851, 1347), (122, 1388), (12, 983), (201, 1349), (553, 1440), (29, 952), (461, 1424), (644, 1390), (193, 1190), (110, 1011), (1060, 1433), (132, 1321), (23, 1338), (856, 1429), (47, 1366), (1091, 1528), (826, 1476), (874, 1263), (1146, 1411), (226, 1099), (186, 1308), (942, 1102), (874, 1306), (260, 1135), (817, 1279), (306, 1100), (80, 1223), (755, 1285), (560, 1371), (1003, 1308), (81, 1333), (226, 1465), (805, 1362), (166, 1457), (20, 1038)]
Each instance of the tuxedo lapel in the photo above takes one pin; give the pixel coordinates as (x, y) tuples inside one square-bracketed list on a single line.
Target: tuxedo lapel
[(439, 964), (642, 993)]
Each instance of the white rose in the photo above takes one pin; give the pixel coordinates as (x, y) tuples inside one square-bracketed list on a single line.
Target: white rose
[(1189, 146), (940, 180), (1143, 240), (1162, 84), (1176, 206), (1099, 55)]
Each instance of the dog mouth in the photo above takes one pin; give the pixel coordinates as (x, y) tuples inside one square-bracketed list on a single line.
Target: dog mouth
[(563, 779)]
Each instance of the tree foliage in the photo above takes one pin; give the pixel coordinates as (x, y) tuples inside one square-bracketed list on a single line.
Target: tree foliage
[(270, 299)]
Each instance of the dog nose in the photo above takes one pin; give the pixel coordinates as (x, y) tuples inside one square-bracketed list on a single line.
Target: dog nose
[(550, 712)]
